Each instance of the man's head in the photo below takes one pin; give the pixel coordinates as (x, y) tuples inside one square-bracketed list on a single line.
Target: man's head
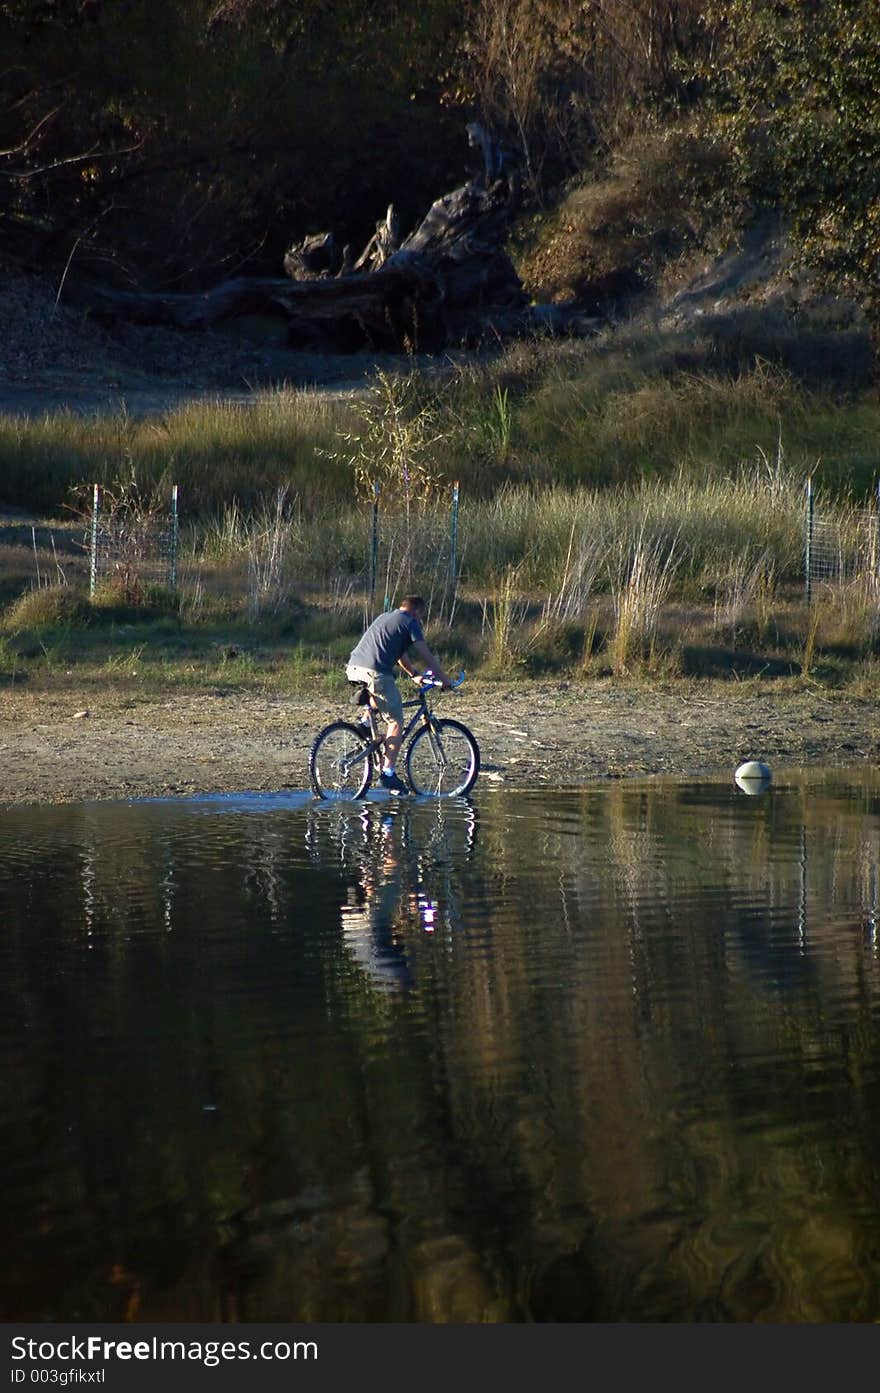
[(413, 604)]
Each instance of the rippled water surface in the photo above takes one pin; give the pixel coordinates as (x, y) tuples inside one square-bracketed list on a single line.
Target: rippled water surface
[(603, 1055)]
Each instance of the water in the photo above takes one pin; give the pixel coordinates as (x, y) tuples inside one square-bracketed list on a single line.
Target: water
[(601, 1055)]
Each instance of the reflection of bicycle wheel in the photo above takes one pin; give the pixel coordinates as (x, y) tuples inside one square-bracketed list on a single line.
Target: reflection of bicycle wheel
[(338, 764), (337, 834), (444, 833), (442, 760)]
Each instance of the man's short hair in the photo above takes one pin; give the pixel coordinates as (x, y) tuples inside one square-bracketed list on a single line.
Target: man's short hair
[(413, 602)]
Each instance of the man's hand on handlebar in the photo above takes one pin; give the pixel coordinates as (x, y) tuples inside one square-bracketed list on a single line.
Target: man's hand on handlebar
[(427, 679)]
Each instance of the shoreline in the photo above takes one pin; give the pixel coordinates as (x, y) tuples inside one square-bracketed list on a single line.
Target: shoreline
[(75, 744)]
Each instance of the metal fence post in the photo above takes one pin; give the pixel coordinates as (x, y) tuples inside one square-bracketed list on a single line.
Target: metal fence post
[(808, 542), (374, 549), (172, 570), (93, 557), (453, 543)]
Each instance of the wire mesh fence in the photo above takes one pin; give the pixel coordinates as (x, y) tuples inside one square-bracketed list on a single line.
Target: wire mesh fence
[(131, 541), (372, 555), (405, 547), (840, 546), (414, 548)]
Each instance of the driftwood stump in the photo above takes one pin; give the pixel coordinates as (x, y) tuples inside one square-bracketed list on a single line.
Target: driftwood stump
[(449, 282)]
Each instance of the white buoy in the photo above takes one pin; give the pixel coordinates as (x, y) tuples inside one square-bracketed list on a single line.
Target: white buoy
[(754, 769), (753, 776)]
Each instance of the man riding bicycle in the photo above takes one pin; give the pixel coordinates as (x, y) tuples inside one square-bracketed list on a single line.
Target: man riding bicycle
[(392, 641)]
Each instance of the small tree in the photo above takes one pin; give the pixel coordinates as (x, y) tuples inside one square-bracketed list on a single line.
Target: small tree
[(395, 444)]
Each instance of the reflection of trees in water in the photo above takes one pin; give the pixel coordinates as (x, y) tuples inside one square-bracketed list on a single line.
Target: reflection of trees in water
[(646, 1095), (707, 1082), (595, 1100)]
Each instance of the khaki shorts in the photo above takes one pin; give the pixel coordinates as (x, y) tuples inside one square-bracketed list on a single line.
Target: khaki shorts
[(381, 686)]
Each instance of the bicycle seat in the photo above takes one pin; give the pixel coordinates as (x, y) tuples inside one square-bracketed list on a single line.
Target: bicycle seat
[(360, 696)]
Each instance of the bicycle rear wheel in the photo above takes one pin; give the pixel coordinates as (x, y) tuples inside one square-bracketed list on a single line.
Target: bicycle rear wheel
[(442, 760), (339, 765)]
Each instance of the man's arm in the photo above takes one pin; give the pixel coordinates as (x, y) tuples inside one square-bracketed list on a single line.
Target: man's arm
[(424, 655)]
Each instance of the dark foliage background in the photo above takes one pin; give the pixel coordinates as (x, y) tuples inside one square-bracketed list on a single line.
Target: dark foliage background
[(171, 142)]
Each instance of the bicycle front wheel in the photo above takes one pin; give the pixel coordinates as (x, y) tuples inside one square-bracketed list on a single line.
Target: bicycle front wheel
[(443, 760), (339, 765)]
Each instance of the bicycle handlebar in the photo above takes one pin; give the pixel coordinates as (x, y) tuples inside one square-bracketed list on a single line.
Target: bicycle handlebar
[(427, 679)]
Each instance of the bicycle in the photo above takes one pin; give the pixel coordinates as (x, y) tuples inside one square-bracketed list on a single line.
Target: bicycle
[(441, 758)]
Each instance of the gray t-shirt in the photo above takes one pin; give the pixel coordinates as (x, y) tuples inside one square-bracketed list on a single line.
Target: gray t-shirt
[(386, 640)]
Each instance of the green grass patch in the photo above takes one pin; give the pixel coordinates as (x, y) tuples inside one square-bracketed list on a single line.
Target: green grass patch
[(214, 451), (569, 415), (602, 493), (47, 608)]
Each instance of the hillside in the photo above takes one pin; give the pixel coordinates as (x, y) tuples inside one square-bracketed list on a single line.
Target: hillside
[(721, 311), (222, 131)]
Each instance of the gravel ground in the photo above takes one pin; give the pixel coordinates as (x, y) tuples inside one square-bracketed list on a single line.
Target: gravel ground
[(541, 734)]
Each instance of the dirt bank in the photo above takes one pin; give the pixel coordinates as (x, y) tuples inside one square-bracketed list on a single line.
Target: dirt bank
[(54, 359), (551, 734)]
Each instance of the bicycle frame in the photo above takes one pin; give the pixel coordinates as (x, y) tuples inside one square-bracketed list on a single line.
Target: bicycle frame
[(441, 756), (374, 747)]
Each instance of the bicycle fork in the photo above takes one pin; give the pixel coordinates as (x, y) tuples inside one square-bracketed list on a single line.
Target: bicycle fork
[(437, 745)]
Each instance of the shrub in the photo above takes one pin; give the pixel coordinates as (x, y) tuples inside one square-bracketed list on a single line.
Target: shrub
[(47, 607), (609, 238), (125, 599)]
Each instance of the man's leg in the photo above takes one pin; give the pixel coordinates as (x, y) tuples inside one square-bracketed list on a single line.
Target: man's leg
[(390, 706), (392, 745)]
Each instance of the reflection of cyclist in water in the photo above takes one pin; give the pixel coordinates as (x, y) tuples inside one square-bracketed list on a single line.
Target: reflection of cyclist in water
[(407, 869), (374, 926), (371, 921), (408, 860)]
